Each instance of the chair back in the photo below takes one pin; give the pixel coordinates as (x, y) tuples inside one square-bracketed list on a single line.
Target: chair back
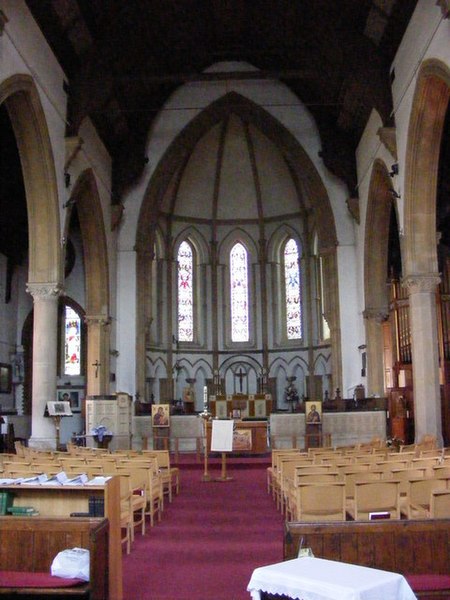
[(440, 504), (376, 496), (320, 501)]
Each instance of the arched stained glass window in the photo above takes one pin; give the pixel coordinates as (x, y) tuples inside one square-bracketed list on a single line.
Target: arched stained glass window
[(293, 291), (185, 293), (72, 342), (239, 294)]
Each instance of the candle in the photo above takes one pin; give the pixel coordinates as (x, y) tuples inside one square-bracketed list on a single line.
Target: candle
[(205, 395)]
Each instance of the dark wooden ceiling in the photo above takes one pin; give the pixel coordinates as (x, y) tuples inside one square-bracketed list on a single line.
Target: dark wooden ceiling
[(123, 58)]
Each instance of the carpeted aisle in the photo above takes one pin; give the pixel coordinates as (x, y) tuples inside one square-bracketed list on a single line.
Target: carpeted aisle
[(209, 541)]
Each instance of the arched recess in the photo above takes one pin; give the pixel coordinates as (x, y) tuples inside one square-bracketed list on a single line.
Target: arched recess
[(86, 198), (376, 294), (27, 117), (421, 277)]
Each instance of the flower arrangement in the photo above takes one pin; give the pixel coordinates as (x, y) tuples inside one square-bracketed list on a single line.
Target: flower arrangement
[(100, 431), (394, 442)]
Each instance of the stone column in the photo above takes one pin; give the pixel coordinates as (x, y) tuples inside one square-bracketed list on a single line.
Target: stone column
[(425, 354), (332, 311), (374, 317), (45, 328), (97, 366)]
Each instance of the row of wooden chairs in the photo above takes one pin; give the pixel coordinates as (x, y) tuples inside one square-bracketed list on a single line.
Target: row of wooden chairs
[(341, 489)]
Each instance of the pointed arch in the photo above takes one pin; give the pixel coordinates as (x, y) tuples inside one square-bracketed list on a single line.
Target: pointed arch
[(430, 104), (431, 100), (237, 235), (376, 294), (27, 117), (377, 236), (279, 237), (197, 239), (86, 198), (93, 235)]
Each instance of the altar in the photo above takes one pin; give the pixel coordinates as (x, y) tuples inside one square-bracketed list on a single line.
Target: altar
[(249, 437)]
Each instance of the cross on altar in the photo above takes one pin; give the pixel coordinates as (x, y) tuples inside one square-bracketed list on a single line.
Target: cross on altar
[(241, 376)]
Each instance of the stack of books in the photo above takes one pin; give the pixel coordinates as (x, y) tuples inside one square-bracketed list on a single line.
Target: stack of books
[(96, 506), (23, 511)]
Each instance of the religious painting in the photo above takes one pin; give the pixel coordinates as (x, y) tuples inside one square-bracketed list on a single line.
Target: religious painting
[(242, 440), (72, 396), (313, 412), (260, 408), (188, 395), (221, 409), (160, 415), (5, 378), (236, 414)]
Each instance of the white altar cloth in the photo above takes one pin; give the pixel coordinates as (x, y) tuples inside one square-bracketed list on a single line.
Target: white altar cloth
[(320, 579)]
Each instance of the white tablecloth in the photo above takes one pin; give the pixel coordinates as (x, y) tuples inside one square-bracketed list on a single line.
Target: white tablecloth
[(320, 579)]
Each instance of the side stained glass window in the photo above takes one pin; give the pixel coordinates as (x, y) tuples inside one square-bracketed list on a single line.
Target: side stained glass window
[(72, 342), (293, 291), (239, 294), (185, 293)]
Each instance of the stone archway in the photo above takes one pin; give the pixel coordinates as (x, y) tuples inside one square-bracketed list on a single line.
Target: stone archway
[(430, 104), (25, 111), (375, 273), (86, 198)]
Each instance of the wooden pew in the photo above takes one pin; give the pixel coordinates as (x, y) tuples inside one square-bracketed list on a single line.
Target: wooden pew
[(416, 548), (29, 545)]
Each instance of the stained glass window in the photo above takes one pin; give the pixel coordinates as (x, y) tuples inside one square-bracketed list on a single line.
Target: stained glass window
[(239, 294), (72, 345), (293, 291), (185, 293)]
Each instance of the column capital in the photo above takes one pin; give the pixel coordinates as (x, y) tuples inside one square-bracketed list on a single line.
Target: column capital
[(102, 320), (421, 282), (376, 314), (44, 291)]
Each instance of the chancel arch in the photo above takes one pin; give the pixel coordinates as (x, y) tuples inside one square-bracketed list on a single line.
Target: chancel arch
[(21, 98), (234, 175), (421, 276)]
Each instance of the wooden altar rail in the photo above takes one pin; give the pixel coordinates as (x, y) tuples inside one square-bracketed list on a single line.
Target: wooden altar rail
[(170, 443)]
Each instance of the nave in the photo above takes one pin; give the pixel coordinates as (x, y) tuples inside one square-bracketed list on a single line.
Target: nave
[(213, 535)]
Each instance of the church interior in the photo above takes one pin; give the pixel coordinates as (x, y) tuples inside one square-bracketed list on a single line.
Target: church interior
[(224, 210)]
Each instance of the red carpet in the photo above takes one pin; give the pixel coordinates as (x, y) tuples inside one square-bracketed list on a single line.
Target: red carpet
[(209, 541)]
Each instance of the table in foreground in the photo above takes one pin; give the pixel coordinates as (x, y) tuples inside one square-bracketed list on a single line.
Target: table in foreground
[(320, 579)]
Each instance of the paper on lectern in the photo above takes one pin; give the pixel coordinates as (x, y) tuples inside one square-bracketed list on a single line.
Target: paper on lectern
[(222, 436)]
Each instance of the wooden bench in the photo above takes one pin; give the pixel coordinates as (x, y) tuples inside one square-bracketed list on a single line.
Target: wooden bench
[(418, 549), (29, 545)]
